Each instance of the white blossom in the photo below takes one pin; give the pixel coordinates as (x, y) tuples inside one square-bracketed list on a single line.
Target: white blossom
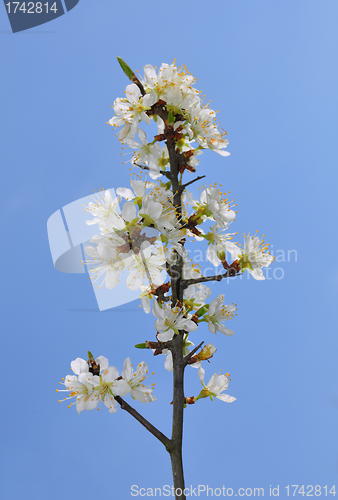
[(219, 242), (138, 190), (147, 264), (252, 258), (216, 385), (130, 110), (202, 127), (169, 321), (89, 389), (105, 212), (219, 207), (135, 381), (167, 79), (218, 313), (152, 155), (111, 267)]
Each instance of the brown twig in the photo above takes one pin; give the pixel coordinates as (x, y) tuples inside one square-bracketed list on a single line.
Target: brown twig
[(151, 428), (190, 355), (203, 279), (144, 167), (183, 186)]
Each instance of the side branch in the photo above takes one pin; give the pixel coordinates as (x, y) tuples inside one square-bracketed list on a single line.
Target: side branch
[(144, 167), (218, 277), (183, 186), (153, 430)]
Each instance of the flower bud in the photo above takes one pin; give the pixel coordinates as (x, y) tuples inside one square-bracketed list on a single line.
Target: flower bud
[(206, 353)]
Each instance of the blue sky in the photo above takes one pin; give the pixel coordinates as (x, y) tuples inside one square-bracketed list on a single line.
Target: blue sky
[(270, 68)]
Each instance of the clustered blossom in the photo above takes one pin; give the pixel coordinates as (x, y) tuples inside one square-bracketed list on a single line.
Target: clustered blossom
[(197, 122), (212, 206), (92, 387)]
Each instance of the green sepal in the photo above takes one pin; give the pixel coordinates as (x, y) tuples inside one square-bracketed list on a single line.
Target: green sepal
[(181, 143), (210, 237), (206, 211), (147, 221), (162, 162), (138, 201), (171, 118), (127, 71), (131, 226), (205, 393), (141, 346), (202, 310), (189, 305), (244, 263), (166, 185)]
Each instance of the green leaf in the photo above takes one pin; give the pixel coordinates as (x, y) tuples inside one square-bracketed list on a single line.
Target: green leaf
[(141, 346), (90, 356), (127, 71)]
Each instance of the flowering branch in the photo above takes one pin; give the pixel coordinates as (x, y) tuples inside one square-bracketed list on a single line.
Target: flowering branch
[(156, 264)]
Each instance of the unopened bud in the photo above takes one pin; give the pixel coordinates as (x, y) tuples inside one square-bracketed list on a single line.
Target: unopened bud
[(94, 368), (190, 401)]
